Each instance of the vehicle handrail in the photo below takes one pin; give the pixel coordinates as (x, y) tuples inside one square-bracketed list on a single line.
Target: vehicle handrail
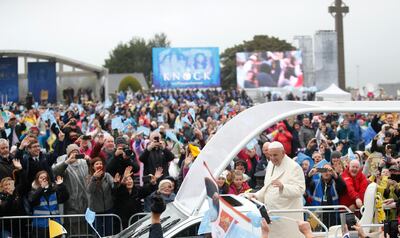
[(303, 211), (329, 207)]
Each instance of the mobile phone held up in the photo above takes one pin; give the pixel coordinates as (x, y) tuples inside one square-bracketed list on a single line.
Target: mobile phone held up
[(350, 221), (322, 170), (80, 156)]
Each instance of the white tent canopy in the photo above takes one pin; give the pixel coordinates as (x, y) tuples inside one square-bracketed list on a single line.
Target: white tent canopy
[(333, 93)]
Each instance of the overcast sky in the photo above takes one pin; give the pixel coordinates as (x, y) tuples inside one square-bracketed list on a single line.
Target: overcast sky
[(88, 30)]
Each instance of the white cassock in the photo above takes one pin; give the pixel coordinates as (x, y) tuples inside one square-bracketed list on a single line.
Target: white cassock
[(290, 174)]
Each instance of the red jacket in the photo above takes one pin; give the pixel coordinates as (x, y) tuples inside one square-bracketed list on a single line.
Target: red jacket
[(233, 189), (355, 188), (285, 138)]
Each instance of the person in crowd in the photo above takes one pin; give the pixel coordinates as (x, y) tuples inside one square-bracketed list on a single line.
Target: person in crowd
[(74, 169), (33, 160), (284, 137), (123, 158), (165, 191), (264, 159), (345, 135), (223, 186), (85, 144), (307, 165), (45, 198), (239, 185), (327, 191), (30, 118), (294, 131), (11, 202), (241, 165), (282, 189), (356, 131), (158, 206), (7, 161), (306, 132), (99, 188), (356, 184), (16, 129), (250, 157), (156, 155), (128, 196)]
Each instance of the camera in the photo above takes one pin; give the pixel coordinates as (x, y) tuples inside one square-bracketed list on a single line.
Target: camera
[(128, 152), (157, 139), (86, 137)]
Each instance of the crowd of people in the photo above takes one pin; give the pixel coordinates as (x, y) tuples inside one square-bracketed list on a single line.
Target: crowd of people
[(114, 157)]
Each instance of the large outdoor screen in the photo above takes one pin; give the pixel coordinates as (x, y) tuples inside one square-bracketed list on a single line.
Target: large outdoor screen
[(269, 69), (186, 67)]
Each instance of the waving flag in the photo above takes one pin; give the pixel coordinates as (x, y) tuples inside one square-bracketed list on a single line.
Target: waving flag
[(90, 216), (56, 229)]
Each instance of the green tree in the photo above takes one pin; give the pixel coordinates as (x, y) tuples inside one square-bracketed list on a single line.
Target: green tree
[(129, 82), (258, 43), (135, 55)]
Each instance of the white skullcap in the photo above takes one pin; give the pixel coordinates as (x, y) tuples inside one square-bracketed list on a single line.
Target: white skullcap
[(275, 145)]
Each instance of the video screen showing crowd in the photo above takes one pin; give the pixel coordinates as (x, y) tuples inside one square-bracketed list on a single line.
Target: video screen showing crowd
[(269, 69), (114, 158)]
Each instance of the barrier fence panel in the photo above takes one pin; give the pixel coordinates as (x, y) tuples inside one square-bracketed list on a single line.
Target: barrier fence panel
[(323, 233), (136, 217), (329, 215), (75, 225)]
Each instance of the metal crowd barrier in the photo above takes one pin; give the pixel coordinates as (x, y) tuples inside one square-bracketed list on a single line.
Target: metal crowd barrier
[(329, 214), (136, 217), (76, 226), (324, 233)]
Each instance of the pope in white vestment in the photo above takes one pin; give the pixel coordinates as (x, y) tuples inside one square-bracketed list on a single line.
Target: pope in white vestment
[(283, 189)]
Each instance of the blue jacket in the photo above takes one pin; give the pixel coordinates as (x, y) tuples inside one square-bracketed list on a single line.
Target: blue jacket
[(45, 202), (331, 190)]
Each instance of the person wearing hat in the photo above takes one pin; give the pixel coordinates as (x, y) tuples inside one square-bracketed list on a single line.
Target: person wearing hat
[(123, 157), (74, 169), (165, 190), (283, 189)]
